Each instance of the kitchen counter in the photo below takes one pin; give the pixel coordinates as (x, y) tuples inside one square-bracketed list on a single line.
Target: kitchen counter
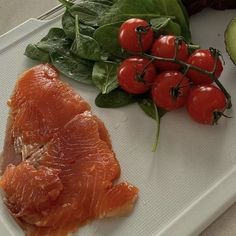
[(15, 12)]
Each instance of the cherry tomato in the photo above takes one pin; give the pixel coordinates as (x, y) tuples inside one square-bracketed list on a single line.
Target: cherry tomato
[(203, 59), (136, 75), (205, 104), (129, 36), (164, 47), (170, 90)]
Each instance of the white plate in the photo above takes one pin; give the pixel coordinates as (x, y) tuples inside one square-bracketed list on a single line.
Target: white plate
[(187, 183)]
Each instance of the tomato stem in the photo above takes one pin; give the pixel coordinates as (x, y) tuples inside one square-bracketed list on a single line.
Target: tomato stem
[(189, 66), (217, 115), (141, 30)]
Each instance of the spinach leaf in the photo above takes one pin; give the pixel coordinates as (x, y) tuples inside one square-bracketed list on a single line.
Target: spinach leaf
[(89, 11), (73, 67), (172, 28), (66, 3), (107, 37), (159, 23), (157, 119), (104, 76), (175, 8), (68, 24), (150, 109), (114, 99), (149, 8), (165, 25), (86, 47), (56, 39), (106, 2), (148, 106), (33, 52)]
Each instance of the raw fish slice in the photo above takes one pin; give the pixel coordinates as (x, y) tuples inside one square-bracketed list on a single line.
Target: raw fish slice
[(53, 100), (40, 105), (67, 171)]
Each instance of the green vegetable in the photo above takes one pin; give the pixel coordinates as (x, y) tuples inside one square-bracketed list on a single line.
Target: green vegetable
[(33, 52), (157, 118), (107, 37), (172, 28), (230, 40), (86, 47), (73, 67), (68, 24), (148, 8), (114, 99), (159, 23), (104, 76), (89, 12), (56, 39), (148, 106), (66, 3)]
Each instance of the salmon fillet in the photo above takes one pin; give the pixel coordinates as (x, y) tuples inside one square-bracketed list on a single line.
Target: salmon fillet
[(58, 164)]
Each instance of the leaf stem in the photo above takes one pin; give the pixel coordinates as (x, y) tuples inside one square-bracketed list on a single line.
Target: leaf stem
[(157, 118)]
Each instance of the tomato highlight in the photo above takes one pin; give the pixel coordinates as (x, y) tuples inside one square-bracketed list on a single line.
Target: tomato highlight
[(135, 35)]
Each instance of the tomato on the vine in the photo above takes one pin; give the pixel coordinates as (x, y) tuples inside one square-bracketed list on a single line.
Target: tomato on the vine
[(205, 60), (170, 90), (136, 75), (135, 35), (206, 104), (165, 46)]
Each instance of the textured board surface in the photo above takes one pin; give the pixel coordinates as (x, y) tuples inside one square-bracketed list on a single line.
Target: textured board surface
[(191, 178)]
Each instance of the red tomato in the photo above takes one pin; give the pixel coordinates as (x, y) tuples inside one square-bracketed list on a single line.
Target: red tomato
[(136, 75), (205, 60), (129, 36), (164, 47), (170, 90), (205, 104)]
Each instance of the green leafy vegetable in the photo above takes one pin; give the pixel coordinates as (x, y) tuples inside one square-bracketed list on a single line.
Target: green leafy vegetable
[(73, 67), (165, 25), (151, 8), (33, 52), (148, 106), (56, 39), (107, 37), (157, 118), (66, 3), (89, 12), (87, 47), (114, 99), (159, 23), (104, 76), (68, 24)]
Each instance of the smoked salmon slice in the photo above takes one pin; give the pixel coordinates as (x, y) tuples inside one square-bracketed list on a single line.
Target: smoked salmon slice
[(58, 166)]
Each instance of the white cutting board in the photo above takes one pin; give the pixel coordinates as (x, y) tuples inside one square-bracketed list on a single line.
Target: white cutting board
[(187, 183)]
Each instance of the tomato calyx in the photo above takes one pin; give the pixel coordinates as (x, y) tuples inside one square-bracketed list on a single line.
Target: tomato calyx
[(140, 30), (140, 76), (217, 115), (176, 91)]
